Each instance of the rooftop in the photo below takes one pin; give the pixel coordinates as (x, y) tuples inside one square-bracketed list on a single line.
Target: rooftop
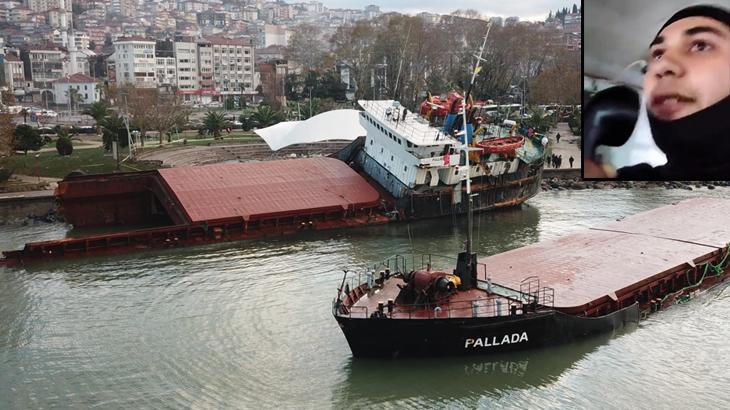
[(76, 78), (414, 128)]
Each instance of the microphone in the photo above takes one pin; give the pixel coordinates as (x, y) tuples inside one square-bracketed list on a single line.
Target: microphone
[(610, 117)]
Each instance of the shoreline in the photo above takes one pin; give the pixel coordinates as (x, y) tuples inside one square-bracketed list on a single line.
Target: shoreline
[(558, 184)]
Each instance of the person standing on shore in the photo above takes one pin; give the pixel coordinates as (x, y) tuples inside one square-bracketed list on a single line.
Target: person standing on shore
[(571, 161)]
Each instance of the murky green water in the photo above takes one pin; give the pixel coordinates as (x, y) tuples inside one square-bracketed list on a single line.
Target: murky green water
[(248, 325)]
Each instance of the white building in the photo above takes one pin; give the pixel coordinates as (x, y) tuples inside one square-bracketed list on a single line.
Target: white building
[(135, 62), (275, 35), (233, 66), (14, 73), (186, 62), (84, 85), (45, 5), (166, 71)]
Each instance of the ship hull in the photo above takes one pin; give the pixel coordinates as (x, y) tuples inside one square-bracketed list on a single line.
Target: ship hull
[(371, 337), (489, 192)]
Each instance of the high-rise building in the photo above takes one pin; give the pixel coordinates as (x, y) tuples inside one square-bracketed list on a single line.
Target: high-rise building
[(233, 62), (135, 61)]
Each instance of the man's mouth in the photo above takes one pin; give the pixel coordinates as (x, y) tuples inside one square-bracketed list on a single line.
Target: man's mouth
[(666, 106)]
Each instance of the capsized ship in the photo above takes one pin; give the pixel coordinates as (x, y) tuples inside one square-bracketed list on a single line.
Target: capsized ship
[(420, 164), (553, 292)]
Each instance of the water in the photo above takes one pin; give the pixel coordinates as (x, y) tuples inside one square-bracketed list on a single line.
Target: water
[(249, 325)]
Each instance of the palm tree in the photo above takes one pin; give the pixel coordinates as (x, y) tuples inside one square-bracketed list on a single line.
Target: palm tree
[(265, 116), (114, 129), (73, 96), (98, 111), (215, 122)]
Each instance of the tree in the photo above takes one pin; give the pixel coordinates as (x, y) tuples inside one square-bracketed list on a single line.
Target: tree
[(246, 123), (306, 47), (538, 120), (73, 96), (26, 138), (575, 9), (6, 134), (215, 122), (139, 104), (265, 116), (8, 97), (230, 103), (113, 129), (169, 114), (98, 111), (64, 146), (575, 124)]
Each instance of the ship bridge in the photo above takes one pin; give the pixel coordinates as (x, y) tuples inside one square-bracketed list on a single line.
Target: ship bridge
[(413, 128)]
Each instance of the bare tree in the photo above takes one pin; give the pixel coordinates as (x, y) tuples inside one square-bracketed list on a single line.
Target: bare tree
[(6, 134), (168, 114), (306, 46)]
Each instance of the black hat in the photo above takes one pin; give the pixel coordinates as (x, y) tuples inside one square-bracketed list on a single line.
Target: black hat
[(712, 12)]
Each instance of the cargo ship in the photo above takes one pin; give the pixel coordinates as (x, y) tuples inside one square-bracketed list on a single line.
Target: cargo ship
[(421, 166), (554, 292)]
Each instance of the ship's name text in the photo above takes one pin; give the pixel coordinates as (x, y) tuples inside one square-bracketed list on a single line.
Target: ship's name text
[(496, 340)]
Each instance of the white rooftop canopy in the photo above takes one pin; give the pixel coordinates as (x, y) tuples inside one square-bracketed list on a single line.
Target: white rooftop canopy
[(330, 125)]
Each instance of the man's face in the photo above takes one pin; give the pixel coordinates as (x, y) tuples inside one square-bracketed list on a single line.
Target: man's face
[(689, 68)]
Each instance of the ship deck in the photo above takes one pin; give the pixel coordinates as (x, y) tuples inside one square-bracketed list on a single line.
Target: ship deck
[(459, 305), (604, 264)]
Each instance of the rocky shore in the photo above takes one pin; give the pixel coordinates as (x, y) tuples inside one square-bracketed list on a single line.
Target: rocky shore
[(557, 184)]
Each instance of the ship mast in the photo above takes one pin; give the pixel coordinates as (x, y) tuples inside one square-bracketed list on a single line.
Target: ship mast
[(465, 145)]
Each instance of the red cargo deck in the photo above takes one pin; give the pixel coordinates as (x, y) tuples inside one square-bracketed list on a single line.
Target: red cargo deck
[(271, 189), (590, 270), (207, 204)]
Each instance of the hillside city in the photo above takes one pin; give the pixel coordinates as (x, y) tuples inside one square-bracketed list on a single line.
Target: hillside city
[(203, 50), (113, 76)]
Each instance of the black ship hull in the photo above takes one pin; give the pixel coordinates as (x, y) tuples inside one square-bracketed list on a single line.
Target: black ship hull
[(489, 192), (373, 337)]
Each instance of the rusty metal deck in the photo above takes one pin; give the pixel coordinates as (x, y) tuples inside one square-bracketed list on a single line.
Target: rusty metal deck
[(619, 257), (270, 189)]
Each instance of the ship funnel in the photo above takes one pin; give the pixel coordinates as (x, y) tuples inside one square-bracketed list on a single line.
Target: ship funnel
[(466, 269)]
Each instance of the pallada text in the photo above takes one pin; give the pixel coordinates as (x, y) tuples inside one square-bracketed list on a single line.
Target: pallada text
[(496, 340)]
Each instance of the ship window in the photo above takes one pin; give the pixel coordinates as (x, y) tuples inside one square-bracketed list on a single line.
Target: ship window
[(409, 144), (399, 143), (371, 142), (381, 150), (405, 168), (391, 157)]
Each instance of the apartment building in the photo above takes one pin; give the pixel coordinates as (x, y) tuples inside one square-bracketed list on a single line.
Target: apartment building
[(186, 60), (233, 66), (135, 62), (14, 72)]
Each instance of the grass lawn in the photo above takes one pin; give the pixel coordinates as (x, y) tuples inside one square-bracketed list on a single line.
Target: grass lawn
[(50, 164), (227, 139)]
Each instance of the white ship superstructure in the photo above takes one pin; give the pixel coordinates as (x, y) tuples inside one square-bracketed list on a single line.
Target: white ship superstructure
[(414, 153)]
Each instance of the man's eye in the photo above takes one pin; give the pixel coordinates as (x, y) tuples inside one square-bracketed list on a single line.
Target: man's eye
[(700, 46), (657, 55)]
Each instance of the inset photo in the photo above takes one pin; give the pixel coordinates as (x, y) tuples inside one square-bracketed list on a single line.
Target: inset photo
[(657, 90)]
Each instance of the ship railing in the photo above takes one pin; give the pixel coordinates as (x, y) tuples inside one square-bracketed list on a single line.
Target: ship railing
[(492, 307), (538, 296), (505, 301), (403, 128)]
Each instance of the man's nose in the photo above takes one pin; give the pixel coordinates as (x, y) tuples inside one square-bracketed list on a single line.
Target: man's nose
[(669, 65)]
